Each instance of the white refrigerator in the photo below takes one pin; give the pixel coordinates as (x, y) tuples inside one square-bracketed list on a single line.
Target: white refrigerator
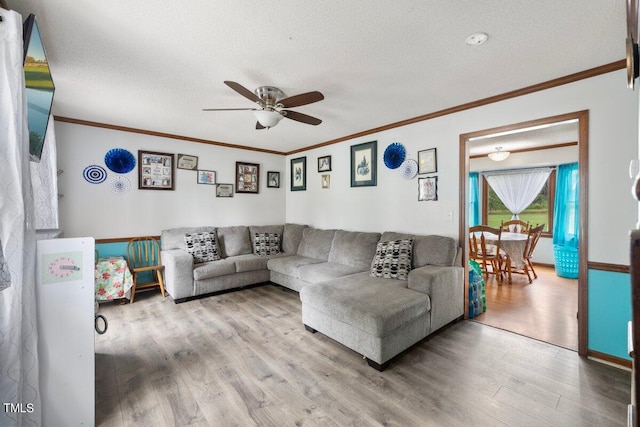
[(66, 313)]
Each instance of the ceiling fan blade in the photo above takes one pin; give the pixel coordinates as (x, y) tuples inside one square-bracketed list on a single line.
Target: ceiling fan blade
[(299, 117), (230, 109), (259, 126), (302, 99), (243, 91)]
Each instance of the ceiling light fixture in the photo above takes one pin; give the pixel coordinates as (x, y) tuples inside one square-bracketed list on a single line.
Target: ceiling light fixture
[(499, 155), (268, 118), (476, 39)]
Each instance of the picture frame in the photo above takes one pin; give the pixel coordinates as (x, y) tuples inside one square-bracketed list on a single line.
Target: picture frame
[(325, 180), (299, 174), (224, 190), (156, 171), (324, 164), (364, 164), (247, 178), (427, 161), (187, 161), (428, 189), (206, 177), (273, 179)]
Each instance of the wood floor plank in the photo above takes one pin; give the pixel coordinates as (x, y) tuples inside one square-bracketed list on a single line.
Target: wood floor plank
[(244, 358)]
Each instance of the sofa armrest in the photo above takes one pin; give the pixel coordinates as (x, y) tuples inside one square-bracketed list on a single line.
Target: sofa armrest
[(445, 287), (178, 273)]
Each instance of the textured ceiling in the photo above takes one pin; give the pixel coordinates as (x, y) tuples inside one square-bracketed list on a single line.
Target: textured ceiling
[(154, 64)]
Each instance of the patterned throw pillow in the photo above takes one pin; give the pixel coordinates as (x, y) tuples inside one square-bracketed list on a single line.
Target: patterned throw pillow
[(267, 244), (202, 246), (393, 259)]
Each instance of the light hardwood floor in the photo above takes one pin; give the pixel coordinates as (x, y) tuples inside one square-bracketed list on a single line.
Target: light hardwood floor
[(545, 309), (243, 358)]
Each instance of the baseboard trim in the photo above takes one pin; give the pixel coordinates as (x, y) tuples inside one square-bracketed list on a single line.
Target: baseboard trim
[(618, 362)]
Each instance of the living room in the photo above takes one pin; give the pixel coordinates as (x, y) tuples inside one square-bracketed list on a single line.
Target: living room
[(112, 217)]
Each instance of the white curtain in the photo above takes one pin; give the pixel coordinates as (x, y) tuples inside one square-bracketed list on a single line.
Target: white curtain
[(517, 189), (18, 335), (44, 179)]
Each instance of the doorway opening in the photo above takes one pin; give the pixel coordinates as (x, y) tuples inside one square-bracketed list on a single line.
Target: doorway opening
[(531, 146)]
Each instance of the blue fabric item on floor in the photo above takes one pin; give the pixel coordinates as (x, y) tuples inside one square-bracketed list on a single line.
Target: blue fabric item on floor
[(477, 298)]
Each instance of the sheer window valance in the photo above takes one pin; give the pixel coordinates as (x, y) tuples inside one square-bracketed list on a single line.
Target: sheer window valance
[(518, 188)]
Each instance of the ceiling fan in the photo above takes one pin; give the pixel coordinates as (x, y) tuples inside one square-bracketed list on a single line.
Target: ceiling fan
[(273, 103)]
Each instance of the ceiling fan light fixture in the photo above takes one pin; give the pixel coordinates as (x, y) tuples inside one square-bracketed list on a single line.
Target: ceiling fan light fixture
[(268, 118), (498, 155)]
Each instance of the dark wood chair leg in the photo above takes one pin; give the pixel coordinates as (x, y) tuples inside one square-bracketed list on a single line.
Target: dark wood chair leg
[(376, 365), (310, 329)]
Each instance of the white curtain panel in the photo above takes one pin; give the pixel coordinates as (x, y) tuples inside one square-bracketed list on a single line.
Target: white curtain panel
[(518, 188), (18, 335), (44, 178)]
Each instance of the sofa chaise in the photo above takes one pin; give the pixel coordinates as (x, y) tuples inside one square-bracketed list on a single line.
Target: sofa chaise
[(352, 286)]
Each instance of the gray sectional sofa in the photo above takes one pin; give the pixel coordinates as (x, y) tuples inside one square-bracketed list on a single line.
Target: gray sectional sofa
[(342, 294)]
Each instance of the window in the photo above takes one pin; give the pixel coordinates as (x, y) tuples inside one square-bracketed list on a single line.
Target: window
[(540, 211)]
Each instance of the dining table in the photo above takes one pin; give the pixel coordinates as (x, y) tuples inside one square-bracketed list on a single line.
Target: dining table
[(113, 280), (512, 243)]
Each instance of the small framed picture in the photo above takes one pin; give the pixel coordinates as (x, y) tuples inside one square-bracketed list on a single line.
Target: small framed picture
[(299, 174), (206, 177), (185, 161), (224, 190), (325, 179), (155, 170), (427, 161), (247, 178), (428, 189), (324, 164), (273, 179), (364, 163)]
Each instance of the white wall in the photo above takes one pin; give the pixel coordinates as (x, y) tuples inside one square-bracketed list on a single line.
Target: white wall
[(94, 210), (393, 205)]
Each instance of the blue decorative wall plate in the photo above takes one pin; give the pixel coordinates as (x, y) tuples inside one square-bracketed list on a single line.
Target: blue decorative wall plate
[(94, 174), (120, 160), (409, 169), (394, 155)]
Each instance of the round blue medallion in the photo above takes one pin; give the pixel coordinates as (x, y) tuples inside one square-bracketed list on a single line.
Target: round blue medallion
[(120, 160), (394, 155)]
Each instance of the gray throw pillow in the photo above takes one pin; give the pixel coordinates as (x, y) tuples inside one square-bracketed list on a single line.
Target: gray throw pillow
[(393, 259), (267, 244), (202, 246)]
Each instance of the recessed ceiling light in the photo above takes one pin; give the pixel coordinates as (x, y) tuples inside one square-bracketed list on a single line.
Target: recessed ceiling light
[(476, 39)]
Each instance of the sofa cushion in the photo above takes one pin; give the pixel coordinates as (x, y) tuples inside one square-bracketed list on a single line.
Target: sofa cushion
[(289, 265), (316, 243), (271, 229), (374, 305), (353, 248), (174, 238), (211, 269), (234, 241), (428, 250), (251, 262), (266, 244), (291, 236), (203, 247), (393, 259), (324, 271)]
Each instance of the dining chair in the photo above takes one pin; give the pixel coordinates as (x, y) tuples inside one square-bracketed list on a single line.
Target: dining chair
[(484, 248), (143, 255), (515, 226), (533, 235)]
